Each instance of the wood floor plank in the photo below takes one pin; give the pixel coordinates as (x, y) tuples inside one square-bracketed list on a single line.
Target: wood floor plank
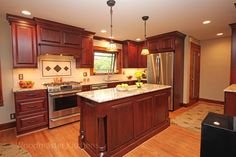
[(175, 141)]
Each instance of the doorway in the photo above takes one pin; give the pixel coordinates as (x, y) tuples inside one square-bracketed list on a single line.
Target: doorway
[(195, 53)]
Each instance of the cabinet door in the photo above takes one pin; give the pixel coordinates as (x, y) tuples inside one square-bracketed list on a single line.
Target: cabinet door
[(166, 44), (49, 35), (24, 45), (1, 98), (160, 108), (71, 39), (87, 55), (152, 45), (142, 59), (143, 115), (132, 55), (121, 130)]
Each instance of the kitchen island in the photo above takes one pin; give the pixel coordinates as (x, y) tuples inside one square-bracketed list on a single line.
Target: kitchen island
[(114, 122)]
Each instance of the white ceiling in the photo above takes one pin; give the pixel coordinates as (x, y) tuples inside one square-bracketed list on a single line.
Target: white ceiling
[(165, 15)]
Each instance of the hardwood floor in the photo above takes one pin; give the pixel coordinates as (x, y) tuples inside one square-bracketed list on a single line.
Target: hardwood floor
[(175, 141)]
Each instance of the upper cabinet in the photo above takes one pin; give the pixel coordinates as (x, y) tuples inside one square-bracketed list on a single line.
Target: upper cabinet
[(233, 55), (132, 57), (24, 43), (164, 42), (57, 38), (87, 54)]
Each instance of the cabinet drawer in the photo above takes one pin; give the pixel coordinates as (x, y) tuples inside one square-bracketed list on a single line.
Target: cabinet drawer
[(30, 94), (32, 121), (24, 107)]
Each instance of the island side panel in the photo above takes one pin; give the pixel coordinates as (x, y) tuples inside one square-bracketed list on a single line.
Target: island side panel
[(114, 128)]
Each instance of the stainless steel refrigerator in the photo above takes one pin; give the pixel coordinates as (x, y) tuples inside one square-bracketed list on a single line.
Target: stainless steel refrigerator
[(160, 70)]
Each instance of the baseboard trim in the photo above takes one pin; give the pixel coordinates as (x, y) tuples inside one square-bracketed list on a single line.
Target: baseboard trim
[(7, 125), (211, 101)]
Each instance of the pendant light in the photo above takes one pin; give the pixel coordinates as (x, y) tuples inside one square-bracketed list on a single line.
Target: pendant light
[(145, 50), (111, 46)]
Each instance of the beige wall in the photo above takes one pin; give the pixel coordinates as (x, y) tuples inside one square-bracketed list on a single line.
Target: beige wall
[(7, 77), (215, 68)]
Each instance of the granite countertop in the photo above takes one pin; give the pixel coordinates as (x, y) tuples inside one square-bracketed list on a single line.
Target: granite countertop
[(110, 94), (231, 88), (18, 89), (107, 82)]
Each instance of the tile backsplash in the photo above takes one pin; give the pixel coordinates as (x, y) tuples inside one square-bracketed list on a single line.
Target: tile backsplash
[(76, 74)]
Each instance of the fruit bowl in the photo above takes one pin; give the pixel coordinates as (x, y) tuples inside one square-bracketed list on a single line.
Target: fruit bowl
[(122, 87), (26, 84)]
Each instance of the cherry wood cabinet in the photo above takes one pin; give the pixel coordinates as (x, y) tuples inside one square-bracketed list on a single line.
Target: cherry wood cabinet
[(31, 110), (1, 97), (172, 42), (132, 57), (24, 44), (57, 38), (233, 54), (115, 127), (230, 105), (86, 59)]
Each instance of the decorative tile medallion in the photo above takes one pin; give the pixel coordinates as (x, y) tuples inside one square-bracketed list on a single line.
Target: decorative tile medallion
[(52, 68)]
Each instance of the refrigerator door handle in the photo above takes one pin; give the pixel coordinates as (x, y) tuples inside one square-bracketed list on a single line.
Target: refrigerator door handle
[(158, 69)]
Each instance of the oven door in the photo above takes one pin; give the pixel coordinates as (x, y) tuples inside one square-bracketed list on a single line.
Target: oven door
[(63, 105)]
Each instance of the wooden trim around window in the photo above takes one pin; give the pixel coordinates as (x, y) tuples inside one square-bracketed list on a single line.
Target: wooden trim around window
[(103, 49)]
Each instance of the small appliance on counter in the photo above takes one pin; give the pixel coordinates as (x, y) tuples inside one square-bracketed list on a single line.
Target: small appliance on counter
[(218, 136), (62, 102)]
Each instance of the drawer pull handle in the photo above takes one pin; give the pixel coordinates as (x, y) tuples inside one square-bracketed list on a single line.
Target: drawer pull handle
[(31, 106), (33, 121), (32, 94)]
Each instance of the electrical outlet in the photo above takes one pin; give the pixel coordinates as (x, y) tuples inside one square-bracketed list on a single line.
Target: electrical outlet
[(12, 116), (21, 76)]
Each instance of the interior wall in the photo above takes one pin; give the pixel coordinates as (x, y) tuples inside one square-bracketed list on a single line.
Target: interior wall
[(7, 76), (188, 40), (215, 68)]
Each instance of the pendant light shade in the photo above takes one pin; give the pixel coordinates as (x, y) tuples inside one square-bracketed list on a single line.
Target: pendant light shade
[(111, 46), (145, 50)]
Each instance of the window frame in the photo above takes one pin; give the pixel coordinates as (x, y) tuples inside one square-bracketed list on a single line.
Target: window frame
[(118, 60)]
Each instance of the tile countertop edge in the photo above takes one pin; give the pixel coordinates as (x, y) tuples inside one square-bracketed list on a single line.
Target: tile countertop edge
[(112, 94), (231, 88)]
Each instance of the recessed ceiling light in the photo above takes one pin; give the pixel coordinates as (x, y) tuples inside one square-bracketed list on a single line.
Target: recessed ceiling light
[(219, 34), (103, 31), (138, 39), (26, 12), (206, 22)]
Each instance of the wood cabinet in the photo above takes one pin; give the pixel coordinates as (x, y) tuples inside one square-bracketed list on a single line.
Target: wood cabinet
[(233, 55), (230, 105), (57, 38), (1, 97), (172, 42), (132, 57), (24, 44), (116, 127), (31, 110), (86, 59)]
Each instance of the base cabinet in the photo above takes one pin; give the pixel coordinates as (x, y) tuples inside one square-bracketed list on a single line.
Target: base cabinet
[(230, 105), (31, 110), (116, 127)]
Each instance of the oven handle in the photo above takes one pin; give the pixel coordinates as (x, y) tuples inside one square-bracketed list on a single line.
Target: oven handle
[(62, 95)]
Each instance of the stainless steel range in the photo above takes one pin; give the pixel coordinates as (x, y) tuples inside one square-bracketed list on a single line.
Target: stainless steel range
[(62, 102)]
